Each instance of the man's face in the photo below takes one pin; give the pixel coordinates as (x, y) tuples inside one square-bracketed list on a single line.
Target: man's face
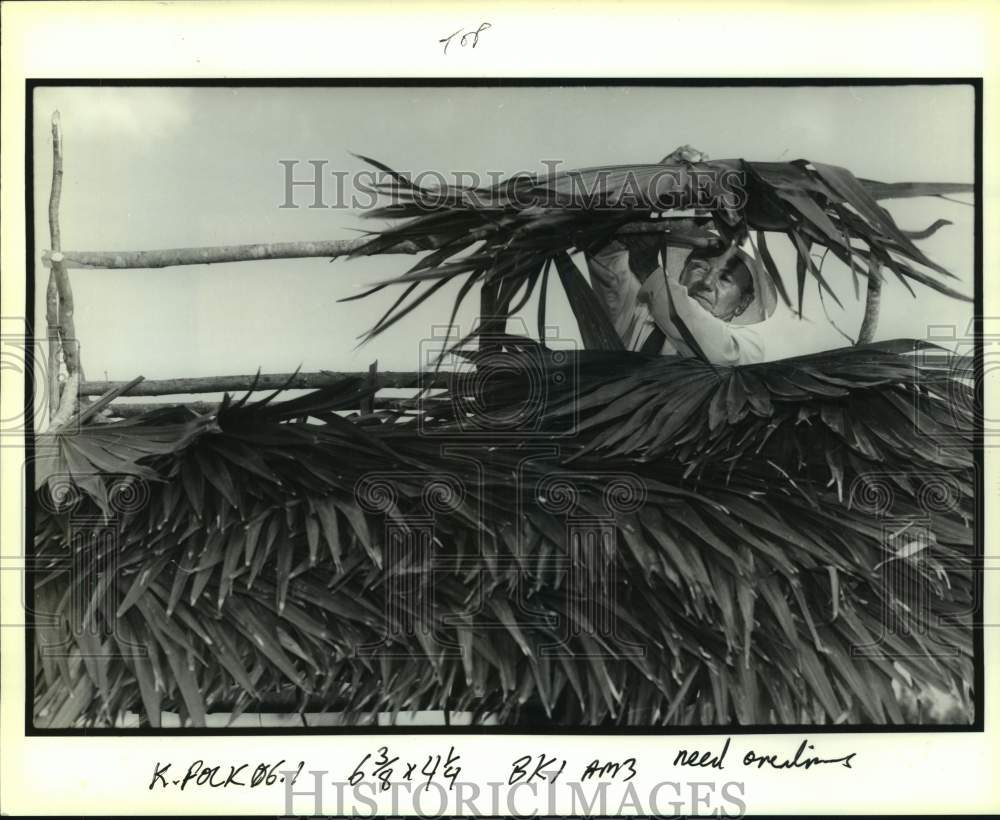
[(720, 291)]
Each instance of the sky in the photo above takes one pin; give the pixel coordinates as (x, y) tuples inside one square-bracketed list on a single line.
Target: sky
[(148, 168)]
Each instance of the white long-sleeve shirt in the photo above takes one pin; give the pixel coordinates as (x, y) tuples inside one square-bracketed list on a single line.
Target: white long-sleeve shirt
[(636, 308)]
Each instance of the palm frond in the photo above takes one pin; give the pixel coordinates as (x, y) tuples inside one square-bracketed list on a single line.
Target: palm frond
[(529, 221), (747, 561)]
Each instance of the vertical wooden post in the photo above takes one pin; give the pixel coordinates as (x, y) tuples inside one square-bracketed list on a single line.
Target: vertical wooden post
[(872, 303), (51, 291), (52, 334), (367, 406), (59, 298)]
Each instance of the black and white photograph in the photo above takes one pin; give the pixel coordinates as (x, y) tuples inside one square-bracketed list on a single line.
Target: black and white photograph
[(538, 406)]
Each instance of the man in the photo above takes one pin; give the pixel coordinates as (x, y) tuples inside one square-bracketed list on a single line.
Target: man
[(696, 300)]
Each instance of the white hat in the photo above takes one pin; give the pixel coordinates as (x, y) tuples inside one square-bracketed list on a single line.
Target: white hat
[(765, 296)]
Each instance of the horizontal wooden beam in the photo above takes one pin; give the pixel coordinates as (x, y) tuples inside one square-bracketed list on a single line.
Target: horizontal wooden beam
[(330, 248), (907, 190), (169, 257), (127, 410), (122, 410), (265, 381)]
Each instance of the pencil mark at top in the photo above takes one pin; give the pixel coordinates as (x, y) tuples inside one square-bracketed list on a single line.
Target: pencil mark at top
[(468, 38)]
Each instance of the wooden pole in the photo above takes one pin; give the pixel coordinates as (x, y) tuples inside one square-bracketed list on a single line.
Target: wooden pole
[(331, 248), (52, 292), (64, 329), (265, 381), (52, 334), (170, 257), (67, 402), (368, 402), (905, 190), (123, 410), (873, 302), (127, 410)]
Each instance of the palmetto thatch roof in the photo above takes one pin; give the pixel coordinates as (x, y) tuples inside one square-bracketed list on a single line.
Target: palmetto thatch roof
[(591, 538), (749, 509)]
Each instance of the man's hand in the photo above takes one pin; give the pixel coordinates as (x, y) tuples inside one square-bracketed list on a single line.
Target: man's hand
[(644, 249), (684, 154), (643, 253)]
